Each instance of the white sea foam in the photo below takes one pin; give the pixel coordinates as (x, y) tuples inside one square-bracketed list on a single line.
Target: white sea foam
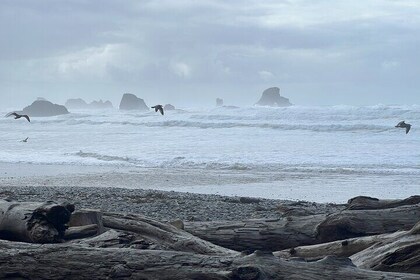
[(310, 140)]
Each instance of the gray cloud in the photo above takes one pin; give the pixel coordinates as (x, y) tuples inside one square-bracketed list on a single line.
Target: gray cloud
[(316, 52)]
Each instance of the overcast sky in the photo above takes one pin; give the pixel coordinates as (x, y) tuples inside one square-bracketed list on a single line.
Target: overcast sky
[(189, 52)]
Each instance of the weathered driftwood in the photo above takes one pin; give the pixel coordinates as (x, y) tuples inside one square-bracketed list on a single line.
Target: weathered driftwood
[(258, 234), (81, 231), (85, 217), (340, 248), (71, 261), (366, 202), (165, 235), (397, 254), (355, 223), (283, 233), (33, 222)]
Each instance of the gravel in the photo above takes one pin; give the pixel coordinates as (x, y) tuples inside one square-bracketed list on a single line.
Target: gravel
[(168, 206)]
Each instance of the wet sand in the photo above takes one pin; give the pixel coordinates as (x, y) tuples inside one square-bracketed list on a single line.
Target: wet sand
[(247, 183)]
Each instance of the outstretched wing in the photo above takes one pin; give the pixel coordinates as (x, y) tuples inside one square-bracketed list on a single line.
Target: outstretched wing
[(400, 124), (26, 117), (11, 114), (161, 110), (407, 129)]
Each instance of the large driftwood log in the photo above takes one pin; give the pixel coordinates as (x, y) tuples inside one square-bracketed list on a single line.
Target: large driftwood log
[(33, 222), (70, 261), (259, 234), (355, 223), (366, 202), (398, 251), (397, 254), (283, 233), (340, 248), (167, 236)]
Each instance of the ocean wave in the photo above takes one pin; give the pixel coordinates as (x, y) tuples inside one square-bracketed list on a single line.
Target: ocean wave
[(378, 118), (108, 158), (314, 170)]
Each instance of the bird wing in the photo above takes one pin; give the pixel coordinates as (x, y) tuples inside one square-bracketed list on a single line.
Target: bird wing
[(400, 124), (407, 129), (11, 114), (26, 117), (161, 110)]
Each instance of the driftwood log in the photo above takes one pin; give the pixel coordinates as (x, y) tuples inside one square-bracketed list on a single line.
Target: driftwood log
[(33, 222), (72, 261), (366, 202), (162, 235), (401, 253), (398, 251), (339, 248), (289, 232)]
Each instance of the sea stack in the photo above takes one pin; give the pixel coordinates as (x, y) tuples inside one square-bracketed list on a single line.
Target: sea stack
[(271, 97), (131, 102), (43, 108), (168, 107)]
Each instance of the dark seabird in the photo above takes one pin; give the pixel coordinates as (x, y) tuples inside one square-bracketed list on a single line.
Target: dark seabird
[(402, 124), (158, 108), (17, 116), (25, 140)]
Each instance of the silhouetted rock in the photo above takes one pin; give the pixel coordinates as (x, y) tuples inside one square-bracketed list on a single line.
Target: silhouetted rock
[(168, 107), (131, 102), (77, 103), (42, 108), (100, 104), (219, 102), (271, 97)]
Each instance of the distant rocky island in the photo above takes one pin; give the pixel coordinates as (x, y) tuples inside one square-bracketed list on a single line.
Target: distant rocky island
[(168, 107), (44, 108), (130, 101), (271, 97), (79, 103)]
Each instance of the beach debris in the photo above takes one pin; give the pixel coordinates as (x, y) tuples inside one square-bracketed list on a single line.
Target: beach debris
[(34, 222)]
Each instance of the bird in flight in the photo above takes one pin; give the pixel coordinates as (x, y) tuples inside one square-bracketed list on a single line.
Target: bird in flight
[(17, 116), (158, 108), (25, 140), (402, 124)]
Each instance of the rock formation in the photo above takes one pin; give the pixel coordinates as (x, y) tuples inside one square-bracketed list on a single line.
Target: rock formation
[(271, 97), (79, 103), (43, 108), (131, 102), (168, 107), (100, 104), (219, 102)]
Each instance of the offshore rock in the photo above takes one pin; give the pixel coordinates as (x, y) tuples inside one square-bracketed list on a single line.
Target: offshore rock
[(271, 97), (43, 108), (131, 102)]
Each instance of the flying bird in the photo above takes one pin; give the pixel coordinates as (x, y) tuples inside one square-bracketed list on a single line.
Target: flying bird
[(25, 140), (402, 124), (17, 116), (158, 108)]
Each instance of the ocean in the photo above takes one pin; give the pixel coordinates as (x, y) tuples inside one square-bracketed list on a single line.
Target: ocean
[(338, 147)]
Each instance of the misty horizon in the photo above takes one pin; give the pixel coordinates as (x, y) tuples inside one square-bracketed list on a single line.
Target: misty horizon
[(188, 54)]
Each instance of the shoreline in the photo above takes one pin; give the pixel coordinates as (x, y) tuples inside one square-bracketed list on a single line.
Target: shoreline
[(319, 188)]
